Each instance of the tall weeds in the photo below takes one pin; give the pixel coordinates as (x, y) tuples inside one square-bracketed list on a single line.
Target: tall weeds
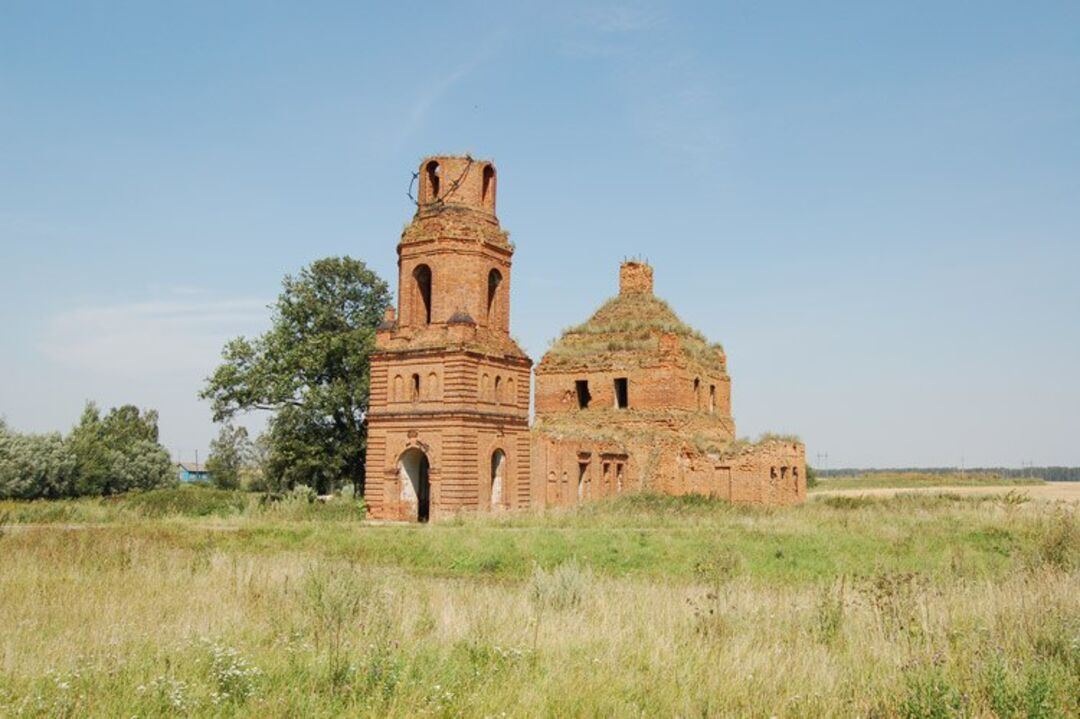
[(166, 618)]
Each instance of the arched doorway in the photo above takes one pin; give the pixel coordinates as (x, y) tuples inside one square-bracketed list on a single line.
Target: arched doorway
[(413, 469), (498, 463)]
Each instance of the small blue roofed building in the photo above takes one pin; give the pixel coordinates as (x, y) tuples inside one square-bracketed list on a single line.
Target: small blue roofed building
[(192, 472)]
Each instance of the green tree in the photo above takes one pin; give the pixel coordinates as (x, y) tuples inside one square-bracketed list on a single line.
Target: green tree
[(35, 466), (255, 474), (228, 455), (311, 370), (118, 452)]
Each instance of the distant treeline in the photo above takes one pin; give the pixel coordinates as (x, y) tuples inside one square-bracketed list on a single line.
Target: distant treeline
[(1050, 474)]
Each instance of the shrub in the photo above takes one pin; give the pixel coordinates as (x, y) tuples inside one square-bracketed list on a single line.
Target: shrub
[(894, 599), (564, 587), (842, 502), (829, 613), (118, 452), (106, 455), (142, 465), (1001, 694), (34, 466), (233, 675), (301, 504), (711, 611), (301, 494), (653, 503), (1038, 698), (1060, 543), (930, 696), (185, 501), (1032, 695), (340, 602), (720, 568)]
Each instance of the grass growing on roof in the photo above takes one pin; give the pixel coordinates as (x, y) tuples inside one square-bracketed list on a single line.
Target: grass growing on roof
[(628, 325)]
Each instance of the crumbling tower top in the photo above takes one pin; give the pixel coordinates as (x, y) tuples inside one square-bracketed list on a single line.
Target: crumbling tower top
[(453, 264), (457, 181), (635, 278)]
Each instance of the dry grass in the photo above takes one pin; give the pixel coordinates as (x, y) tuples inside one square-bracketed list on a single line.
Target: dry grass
[(163, 618), (627, 328), (914, 480)]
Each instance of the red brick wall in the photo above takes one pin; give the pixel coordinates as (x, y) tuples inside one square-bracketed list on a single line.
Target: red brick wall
[(667, 466), (473, 388), (650, 388), (558, 479), (473, 397)]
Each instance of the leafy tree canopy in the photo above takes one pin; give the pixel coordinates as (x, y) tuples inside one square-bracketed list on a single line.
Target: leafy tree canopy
[(228, 455), (118, 452), (311, 370), (102, 455)]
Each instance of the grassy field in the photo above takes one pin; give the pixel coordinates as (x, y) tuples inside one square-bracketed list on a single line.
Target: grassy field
[(915, 480), (913, 606)]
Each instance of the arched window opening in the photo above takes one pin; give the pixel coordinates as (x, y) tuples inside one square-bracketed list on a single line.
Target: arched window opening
[(511, 398), (583, 469), (494, 280), (712, 398), (498, 389), (415, 387), (399, 391), (485, 387), (487, 193), (697, 392), (422, 275), (498, 462), (431, 170)]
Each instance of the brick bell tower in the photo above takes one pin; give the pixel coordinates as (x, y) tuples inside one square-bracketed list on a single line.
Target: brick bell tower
[(448, 419)]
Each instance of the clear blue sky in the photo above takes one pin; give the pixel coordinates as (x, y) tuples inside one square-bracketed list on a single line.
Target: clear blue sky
[(874, 206)]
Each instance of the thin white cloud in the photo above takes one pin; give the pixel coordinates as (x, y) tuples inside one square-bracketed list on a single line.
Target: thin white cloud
[(620, 17), (434, 92), (149, 338), (670, 96)]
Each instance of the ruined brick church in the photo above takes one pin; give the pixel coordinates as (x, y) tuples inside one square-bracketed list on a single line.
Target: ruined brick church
[(631, 400)]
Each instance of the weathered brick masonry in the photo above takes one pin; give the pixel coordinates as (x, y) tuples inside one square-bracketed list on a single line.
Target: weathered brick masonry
[(449, 417), (632, 399)]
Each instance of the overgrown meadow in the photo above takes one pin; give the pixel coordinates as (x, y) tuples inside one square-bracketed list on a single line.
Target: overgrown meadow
[(205, 603)]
